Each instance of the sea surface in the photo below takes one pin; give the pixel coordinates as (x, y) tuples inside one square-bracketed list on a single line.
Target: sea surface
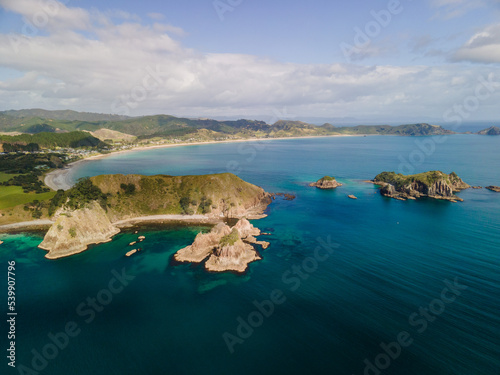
[(347, 278)]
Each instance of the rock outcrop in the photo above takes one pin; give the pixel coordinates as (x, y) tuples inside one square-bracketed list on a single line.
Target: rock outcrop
[(82, 221), (203, 245), (326, 182), (73, 231), (227, 249), (494, 188), (434, 184)]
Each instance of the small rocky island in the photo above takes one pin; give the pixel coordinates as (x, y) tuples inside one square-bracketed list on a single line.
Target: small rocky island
[(433, 184), (224, 248), (95, 208), (494, 188), (326, 182)]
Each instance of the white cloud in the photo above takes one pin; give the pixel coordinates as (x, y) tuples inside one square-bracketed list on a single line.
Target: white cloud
[(483, 47), (51, 15), (108, 67)]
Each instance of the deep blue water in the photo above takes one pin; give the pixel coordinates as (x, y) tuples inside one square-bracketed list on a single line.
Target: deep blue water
[(388, 260)]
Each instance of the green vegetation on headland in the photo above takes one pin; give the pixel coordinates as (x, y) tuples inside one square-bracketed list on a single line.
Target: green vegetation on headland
[(433, 184), (135, 195)]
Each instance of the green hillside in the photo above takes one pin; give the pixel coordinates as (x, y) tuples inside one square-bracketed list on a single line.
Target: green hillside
[(166, 126), (75, 139)]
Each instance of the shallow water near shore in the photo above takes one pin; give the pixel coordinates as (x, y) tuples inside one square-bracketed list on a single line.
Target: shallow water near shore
[(387, 260)]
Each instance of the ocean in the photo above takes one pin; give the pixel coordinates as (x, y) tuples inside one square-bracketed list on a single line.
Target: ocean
[(368, 286)]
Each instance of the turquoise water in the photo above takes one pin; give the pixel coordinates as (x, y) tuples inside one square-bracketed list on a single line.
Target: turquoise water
[(388, 260)]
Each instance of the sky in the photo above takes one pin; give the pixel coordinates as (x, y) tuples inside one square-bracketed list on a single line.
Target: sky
[(371, 61)]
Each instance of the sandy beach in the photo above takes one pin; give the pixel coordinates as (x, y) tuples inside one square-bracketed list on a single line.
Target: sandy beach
[(162, 218), (26, 225), (194, 219), (59, 179)]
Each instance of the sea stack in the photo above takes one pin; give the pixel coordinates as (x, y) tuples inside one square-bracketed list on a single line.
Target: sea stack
[(224, 248), (326, 182)]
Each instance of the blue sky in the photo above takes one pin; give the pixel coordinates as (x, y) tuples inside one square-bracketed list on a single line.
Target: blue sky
[(415, 61)]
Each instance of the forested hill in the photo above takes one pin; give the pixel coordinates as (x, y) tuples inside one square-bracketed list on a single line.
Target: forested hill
[(166, 126), (34, 142)]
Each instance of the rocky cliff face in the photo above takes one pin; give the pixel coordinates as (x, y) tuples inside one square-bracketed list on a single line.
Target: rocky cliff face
[(326, 182), (227, 249), (435, 184), (203, 245), (74, 231), (232, 257)]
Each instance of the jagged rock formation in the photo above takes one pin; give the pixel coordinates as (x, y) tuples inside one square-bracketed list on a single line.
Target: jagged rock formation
[(203, 245), (74, 231), (434, 184), (494, 188), (209, 198), (494, 130), (326, 182), (227, 249)]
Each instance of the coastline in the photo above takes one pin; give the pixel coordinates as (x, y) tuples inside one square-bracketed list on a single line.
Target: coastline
[(59, 178), (192, 219), (24, 225)]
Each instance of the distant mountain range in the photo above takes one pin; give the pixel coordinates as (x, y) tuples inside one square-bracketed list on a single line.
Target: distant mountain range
[(36, 121)]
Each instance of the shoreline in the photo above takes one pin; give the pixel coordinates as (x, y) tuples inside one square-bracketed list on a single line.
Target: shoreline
[(58, 179), (125, 223)]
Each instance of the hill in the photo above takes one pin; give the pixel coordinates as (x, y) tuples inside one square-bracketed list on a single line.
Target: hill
[(66, 115), (33, 142), (494, 130), (220, 194), (166, 126), (401, 130)]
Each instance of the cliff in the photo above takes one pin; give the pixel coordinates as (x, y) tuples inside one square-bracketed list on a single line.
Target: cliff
[(326, 182), (227, 249), (81, 219), (434, 184), (74, 231)]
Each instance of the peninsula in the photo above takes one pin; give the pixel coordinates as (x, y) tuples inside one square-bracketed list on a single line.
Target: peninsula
[(433, 184), (95, 208)]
